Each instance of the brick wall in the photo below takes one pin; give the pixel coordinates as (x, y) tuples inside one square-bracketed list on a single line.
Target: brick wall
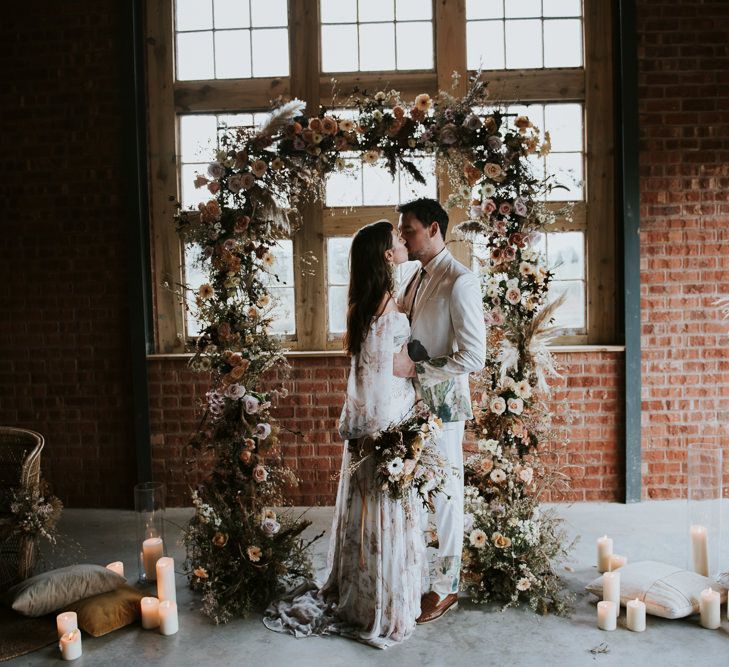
[(64, 328), (63, 334), (589, 387), (684, 167)]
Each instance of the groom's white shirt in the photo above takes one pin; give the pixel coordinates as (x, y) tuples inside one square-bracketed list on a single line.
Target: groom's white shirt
[(447, 320)]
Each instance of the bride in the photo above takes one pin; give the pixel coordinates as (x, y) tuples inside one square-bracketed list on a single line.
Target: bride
[(377, 549)]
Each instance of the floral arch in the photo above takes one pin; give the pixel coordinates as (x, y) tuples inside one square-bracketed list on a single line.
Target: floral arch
[(240, 553)]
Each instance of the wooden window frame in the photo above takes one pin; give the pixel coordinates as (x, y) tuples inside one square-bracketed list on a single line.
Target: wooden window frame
[(591, 85)]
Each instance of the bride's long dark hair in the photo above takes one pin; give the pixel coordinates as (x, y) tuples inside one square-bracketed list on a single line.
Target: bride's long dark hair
[(370, 278)]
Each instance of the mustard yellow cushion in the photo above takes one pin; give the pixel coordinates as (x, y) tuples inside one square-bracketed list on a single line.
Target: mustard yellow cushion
[(106, 612)]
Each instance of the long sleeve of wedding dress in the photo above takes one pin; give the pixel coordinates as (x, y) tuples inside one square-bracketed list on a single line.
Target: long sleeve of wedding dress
[(375, 398), (376, 561)]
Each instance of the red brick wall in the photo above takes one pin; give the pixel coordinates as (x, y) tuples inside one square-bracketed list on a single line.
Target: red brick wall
[(684, 165), (589, 387), (64, 327)]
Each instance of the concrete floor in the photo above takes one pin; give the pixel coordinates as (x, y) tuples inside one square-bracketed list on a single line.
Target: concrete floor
[(470, 636)]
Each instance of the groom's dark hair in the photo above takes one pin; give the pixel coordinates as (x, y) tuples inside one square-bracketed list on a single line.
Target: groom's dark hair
[(427, 211)]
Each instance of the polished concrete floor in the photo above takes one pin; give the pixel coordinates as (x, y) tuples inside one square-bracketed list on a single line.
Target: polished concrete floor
[(470, 636)]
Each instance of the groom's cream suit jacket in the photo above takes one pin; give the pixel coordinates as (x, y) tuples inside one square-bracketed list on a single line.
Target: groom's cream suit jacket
[(448, 335)]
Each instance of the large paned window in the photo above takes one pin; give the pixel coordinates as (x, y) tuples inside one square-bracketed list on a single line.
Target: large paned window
[(216, 64)]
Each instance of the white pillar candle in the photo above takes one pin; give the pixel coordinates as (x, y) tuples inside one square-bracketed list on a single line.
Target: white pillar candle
[(117, 566), (635, 610), (604, 551), (152, 551), (168, 621), (66, 622), (616, 562), (150, 613), (700, 549), (70, 645), (710, 608), (166, 579), (611, 589), (607, 619)]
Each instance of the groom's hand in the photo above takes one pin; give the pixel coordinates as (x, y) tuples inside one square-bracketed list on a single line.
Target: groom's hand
[(402, 365)]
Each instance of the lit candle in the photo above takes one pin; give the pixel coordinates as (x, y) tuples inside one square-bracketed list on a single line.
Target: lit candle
[(604, 551), (150, 613), (70, 645), (66, 622), (636, 615), (168, 621), (116, 566), (152, 551), (700, 549), (611, 589), (166, 579), (617, 562), (607, 618), (710, 608)]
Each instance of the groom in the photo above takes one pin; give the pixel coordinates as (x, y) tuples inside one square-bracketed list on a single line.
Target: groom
[(448, 341)]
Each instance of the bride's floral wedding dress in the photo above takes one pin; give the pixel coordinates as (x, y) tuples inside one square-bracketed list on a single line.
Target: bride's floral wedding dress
[(377, 550)]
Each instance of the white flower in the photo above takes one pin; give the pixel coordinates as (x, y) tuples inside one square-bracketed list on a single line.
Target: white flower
[(498, 405), (512, 283), (488, 190), (508, 383), (262, 430), (270, 526), (497, 475), (526, 475), (493, 291), (395, 467), (523, 584), (488, 446), (516, 406), (523, 389), (468, 520), (526, 269), (478, 538)]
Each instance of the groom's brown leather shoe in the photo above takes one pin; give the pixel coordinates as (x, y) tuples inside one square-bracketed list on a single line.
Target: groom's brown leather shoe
[(432, 607)]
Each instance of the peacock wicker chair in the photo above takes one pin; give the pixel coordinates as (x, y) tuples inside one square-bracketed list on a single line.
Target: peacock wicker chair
[(20, 456)]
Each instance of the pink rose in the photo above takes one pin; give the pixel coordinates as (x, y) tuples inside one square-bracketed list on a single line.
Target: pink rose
[(513, 295), (260, 474), (489, 206), (505, 208), (235, 183), (216, 170)]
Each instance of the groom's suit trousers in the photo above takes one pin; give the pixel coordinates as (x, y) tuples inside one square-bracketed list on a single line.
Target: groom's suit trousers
[(449, 514)]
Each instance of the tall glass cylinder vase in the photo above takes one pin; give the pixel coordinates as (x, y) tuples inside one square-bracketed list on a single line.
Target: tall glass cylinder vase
[(149, 504), (704, 509)]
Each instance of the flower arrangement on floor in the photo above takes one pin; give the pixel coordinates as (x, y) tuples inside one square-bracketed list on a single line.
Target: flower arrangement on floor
[(238, 554), (406, 457)]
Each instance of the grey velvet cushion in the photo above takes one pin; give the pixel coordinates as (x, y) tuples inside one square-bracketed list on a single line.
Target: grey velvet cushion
[(668, 591), (54, 589)]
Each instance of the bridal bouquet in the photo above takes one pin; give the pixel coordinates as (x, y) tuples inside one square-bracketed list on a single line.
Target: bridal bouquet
[(406, 458)]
